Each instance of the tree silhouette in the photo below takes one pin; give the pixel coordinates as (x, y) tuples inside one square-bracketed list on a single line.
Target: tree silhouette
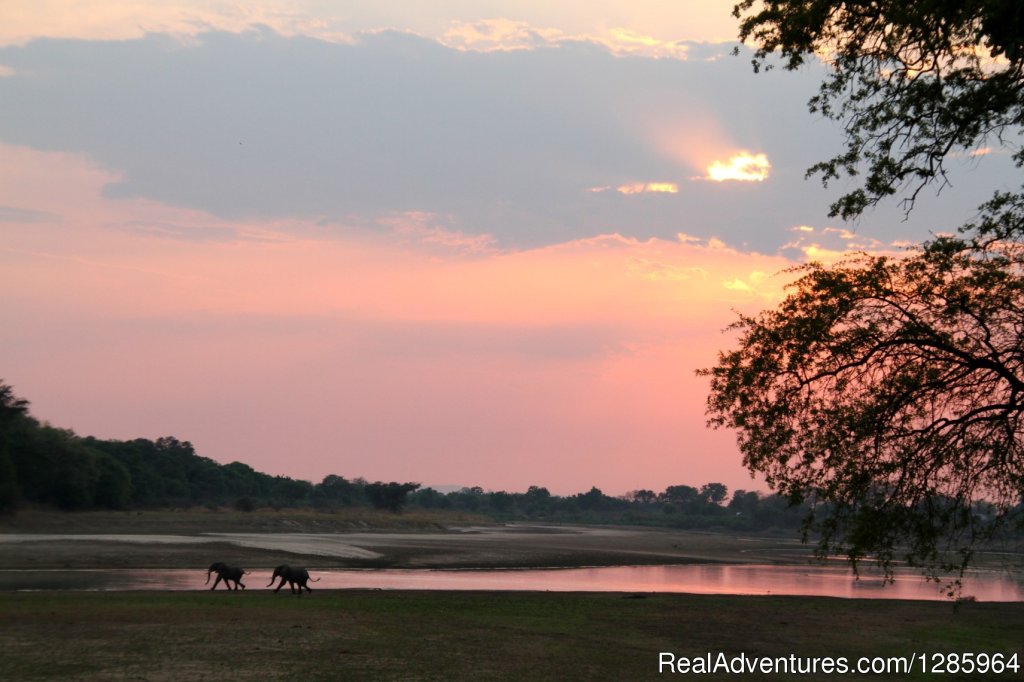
[(891, 390), (887, 392)]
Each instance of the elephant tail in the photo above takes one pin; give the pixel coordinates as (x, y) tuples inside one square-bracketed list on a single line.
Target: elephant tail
[(314, 580)]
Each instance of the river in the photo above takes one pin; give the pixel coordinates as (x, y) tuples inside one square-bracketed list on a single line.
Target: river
[(809, 580)]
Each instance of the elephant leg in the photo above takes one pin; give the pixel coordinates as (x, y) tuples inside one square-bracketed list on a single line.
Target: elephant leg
[(217, 582), (279, 586)]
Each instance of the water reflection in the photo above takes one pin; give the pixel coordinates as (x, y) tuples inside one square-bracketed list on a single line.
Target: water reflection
[(828, 581)]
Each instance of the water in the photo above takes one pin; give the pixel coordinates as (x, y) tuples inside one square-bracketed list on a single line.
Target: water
[(810, 580)]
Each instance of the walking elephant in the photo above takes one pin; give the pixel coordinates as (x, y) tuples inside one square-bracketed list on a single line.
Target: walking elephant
[(294, 576), (226, 573)]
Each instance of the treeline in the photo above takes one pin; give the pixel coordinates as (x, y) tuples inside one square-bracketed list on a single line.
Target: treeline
[(41, 464), (45, 465), (679, 506)]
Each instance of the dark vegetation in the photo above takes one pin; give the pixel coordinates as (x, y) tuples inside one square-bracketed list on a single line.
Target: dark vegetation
[(44, 465), (888, 393)]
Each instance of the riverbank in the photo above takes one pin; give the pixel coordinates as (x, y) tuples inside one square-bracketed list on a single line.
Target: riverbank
[(258, 540), (352, 635)]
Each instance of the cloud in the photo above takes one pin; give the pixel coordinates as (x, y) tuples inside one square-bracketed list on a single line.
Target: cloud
[(263, 126), (624, 41), (118, 20), (639, 188), (757, 283), (12, 214), (648, 188), (658, 270), (430, 231), (643, 24), (167, 230), (831, 244), (742, 166), (840, 232), (498, 35)]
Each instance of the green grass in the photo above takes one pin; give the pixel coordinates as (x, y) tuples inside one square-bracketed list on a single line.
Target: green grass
[(376, 635)]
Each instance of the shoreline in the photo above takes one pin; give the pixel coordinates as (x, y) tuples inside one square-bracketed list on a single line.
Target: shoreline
[(513, 547), (42, 540)]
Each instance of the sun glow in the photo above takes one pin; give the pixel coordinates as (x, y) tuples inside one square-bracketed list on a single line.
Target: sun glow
[(743, 166)]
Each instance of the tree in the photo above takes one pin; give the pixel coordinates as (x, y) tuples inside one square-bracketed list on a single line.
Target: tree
[(74, 474), (911, 82), (501, 501), (113, 487), (642, 497), (889, 393), (390, 496), (14, 419), (337, 490), (744, 503), (538, 500), (713, 493), (592, 500), (680, 494)]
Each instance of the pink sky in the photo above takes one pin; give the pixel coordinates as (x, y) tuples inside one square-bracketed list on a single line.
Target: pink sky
[(442, 242), (413, 355)]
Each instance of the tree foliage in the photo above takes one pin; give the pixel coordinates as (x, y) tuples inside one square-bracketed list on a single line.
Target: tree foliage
[(14, 421), (887, 391), (391, 496), (678, 506), (911, 82), (891, 391)]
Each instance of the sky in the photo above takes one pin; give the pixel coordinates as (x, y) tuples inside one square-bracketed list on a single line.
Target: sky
[(479, 243)]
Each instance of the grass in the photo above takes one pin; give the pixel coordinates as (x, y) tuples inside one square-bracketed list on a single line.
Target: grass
[(420, 635), (384, 635)]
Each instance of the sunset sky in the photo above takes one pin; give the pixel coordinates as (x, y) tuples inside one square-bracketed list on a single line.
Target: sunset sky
[(458, 243)]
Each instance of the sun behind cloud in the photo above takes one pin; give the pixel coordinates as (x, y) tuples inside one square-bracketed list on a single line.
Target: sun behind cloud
[(742, 166)]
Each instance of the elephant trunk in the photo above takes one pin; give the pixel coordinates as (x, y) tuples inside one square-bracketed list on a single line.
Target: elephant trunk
[(208, 574)]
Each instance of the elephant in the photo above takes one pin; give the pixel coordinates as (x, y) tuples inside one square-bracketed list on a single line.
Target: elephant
[(293, 576), (226, 573)]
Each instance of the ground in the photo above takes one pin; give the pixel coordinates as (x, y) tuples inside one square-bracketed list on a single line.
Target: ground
[(374, 635), (192, 539), (416, 635)]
